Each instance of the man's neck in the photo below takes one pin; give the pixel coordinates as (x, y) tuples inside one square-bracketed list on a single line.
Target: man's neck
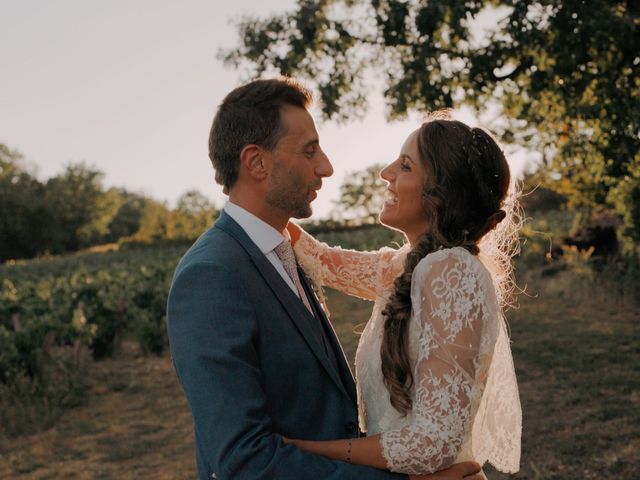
[(260, 210)]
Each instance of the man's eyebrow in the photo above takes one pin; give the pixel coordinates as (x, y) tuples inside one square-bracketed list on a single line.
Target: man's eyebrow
[(313, 141)]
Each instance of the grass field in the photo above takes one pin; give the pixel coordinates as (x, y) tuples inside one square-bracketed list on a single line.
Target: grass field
[(578, 364), (579, 374)]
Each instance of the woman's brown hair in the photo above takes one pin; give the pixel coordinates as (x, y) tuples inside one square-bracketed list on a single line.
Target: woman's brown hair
[(466, 183)]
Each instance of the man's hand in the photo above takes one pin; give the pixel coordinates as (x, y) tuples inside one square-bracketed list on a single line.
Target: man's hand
[(459, 471)]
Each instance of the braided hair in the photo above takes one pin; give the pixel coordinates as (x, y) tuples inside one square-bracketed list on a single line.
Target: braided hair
[(466, 183)]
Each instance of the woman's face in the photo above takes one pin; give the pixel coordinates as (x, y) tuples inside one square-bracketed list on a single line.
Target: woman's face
[(404, 207)]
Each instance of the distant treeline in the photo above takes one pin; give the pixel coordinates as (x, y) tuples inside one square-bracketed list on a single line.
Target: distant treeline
[(73, 210)]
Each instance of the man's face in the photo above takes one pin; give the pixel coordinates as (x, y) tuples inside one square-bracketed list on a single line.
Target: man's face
[(298, 165)]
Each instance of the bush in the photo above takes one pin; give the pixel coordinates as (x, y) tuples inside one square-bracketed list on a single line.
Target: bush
[(52, 309), (30, 403)]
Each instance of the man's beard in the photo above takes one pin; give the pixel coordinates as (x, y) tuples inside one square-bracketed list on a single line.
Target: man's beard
[(289, 193)]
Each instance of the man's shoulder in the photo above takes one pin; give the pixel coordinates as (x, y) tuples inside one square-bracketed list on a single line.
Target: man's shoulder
[(215, 247)]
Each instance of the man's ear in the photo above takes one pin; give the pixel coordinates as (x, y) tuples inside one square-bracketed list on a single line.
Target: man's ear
[(252, 159)]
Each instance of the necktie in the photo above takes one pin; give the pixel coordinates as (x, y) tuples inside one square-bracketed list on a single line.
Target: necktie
[(288, 258)]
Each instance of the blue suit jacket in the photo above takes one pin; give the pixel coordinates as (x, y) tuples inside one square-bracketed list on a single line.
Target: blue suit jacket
[(252, 368)]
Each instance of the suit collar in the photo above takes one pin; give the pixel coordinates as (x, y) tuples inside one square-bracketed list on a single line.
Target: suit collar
[(230, 226)]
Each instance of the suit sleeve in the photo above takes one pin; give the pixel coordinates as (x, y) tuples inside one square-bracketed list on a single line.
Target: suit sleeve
[(213, 335)]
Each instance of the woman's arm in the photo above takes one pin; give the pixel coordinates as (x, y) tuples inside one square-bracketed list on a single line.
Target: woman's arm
[(368, 451), (448, 298), (360, 451), (361, 274)]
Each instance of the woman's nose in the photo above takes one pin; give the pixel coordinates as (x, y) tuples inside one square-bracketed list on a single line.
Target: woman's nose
[(385, 173)]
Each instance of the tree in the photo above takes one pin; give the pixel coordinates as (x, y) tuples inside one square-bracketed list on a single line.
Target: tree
[(155, 222), (73, 210), (128, 217), (194, 214), (80, 207), (564, 75), (361, 197), (23, 216)]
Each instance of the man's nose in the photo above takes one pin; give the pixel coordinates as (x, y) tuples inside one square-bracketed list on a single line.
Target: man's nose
[(324, 167)]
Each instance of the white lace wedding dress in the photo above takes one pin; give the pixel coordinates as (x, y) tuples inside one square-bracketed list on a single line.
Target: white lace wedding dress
[(465, 396)]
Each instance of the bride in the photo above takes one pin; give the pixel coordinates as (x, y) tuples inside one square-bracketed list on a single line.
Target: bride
[(436, 383)]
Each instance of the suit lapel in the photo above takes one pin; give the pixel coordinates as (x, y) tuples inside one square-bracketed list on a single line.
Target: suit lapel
[(343, 365), (296, 310)]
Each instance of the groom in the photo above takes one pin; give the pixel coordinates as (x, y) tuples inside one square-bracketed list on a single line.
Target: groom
[(255, 353)]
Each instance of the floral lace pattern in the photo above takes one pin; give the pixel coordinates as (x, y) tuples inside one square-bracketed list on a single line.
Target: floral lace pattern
[(361, 274), (465, 397)]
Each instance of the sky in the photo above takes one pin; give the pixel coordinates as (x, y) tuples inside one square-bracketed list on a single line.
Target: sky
[(131, 87)]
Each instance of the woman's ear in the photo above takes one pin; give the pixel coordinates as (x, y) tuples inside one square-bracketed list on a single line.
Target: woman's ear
[(253, 161)]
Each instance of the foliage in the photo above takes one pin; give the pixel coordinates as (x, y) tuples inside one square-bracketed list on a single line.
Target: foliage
[(539, 199), (363, 237), (79, 207), (73, 210), (194, 214), (23, 219), (126, 220), (563, 75), (30, 405), (53, 310), (361, 197)]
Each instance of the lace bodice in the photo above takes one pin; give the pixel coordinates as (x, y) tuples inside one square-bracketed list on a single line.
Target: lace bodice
[(465, 398)]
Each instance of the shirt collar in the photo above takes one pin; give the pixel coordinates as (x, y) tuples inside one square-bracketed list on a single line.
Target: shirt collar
[(261, 233)]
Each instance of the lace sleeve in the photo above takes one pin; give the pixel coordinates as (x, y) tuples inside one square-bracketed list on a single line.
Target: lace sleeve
[(361, 274), (450, 294)]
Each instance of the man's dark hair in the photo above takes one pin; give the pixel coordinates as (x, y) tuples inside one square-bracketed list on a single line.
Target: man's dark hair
[(250, 114)]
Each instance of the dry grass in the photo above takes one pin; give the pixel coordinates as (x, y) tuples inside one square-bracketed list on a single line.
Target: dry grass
[(576, 354), (578, 368), (136, 425)]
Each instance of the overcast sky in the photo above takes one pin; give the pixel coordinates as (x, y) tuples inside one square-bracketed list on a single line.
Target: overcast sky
[(130, 87)]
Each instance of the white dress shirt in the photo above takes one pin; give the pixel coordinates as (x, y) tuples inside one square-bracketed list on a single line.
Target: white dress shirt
[(263, 235)]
